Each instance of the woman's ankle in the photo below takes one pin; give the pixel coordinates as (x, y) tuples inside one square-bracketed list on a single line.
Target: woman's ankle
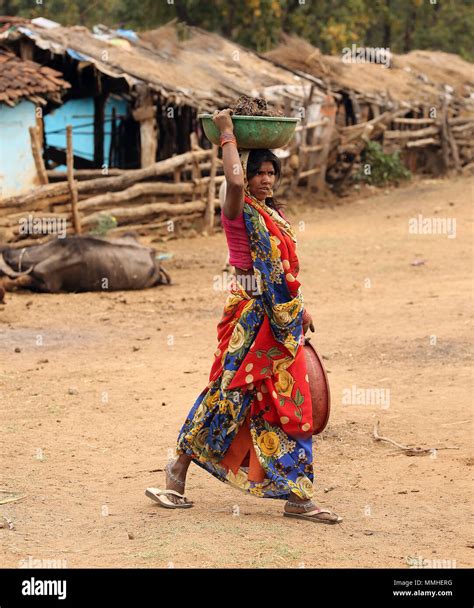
[(296, 499), (181, 465)]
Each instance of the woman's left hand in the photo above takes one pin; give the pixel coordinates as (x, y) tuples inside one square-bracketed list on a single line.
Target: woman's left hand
[(223, 120), (307, 322)]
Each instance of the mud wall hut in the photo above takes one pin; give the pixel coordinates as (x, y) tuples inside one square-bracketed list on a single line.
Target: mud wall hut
[(25, 89), (149, 168), (143, 89), (420, 104)]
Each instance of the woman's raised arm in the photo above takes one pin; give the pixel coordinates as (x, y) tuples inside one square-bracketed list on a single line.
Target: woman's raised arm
[(233, 171)]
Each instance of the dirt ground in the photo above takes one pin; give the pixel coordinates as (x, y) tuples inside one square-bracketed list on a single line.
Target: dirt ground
[(95, 387)]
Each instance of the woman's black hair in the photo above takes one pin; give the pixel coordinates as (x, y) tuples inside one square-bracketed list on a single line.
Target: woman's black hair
[(255, 160)]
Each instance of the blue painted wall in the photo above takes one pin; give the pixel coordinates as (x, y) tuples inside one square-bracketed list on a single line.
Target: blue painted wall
[(80, 114), (17, 166)]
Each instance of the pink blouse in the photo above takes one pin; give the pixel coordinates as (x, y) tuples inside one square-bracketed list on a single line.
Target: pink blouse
[(238, 241)]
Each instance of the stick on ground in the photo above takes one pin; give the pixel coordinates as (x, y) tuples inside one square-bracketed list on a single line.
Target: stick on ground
[(408, 451)]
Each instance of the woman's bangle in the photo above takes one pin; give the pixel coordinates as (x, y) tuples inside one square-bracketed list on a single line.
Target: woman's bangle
[(225, 138)]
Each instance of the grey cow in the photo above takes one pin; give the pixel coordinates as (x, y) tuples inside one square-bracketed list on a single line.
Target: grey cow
[(82, 263)]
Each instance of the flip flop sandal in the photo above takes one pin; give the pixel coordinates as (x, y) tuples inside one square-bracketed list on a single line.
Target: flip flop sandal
[(160, 496), (309, 516)]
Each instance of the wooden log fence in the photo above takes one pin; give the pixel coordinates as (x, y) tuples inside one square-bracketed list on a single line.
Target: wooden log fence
[(450, 136), (176, 189), (183, 188)]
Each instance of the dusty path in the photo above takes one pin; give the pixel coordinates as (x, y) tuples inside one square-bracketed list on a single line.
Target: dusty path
[(94, 400)]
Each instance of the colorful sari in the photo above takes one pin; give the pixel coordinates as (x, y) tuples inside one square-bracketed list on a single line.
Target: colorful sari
[(251, 427)]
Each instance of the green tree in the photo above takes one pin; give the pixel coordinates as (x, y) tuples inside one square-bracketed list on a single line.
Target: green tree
[(331, 25)]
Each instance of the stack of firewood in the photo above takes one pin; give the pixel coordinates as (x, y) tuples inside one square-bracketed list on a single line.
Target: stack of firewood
[(348, 144), (453, 136), (446, 137)]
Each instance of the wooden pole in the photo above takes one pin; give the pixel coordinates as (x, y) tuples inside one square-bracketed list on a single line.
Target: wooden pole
[(411, 134), (329, 111), (147, 212), (313, 151), (454, 147), (145, 114), (71, 182), (131, 195), (195, 169), (39, 127), (421, 143), (151, 227), (83, 174), (38, 158), (177, 181), (209, 214), (444, 133), (302, 156)]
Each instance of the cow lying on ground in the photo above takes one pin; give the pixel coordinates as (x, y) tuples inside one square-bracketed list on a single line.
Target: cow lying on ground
[(81, 263)]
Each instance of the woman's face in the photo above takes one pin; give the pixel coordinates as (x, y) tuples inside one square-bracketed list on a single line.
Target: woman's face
[(261, 184)]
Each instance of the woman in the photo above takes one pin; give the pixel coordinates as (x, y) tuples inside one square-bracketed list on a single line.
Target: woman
[(251, 427)]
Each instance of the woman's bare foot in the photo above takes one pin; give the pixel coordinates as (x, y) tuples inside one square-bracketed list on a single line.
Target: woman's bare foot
[(176, 471)]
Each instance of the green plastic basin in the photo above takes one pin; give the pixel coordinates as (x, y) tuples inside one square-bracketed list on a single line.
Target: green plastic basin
[(254, 131)]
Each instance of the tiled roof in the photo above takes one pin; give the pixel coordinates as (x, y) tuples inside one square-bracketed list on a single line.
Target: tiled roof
[(26, 79)]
